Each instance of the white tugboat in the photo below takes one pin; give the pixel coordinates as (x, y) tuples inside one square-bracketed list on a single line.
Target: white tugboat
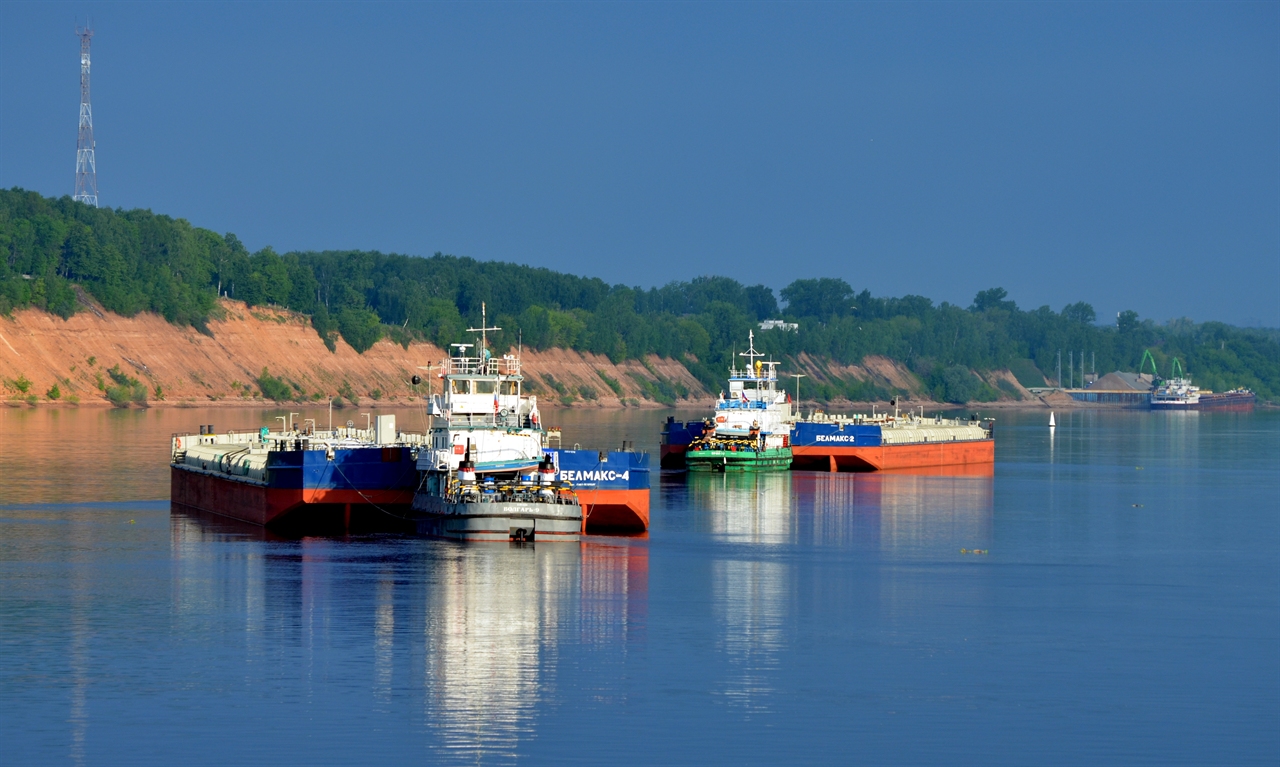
[(484, 475)]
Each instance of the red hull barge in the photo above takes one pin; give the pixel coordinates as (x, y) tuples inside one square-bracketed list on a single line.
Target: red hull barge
[(297, 480), (942, 455), (266, 506), (892, 443)]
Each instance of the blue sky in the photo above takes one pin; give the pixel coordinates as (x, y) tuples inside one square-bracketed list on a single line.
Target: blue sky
[(1123, 154)]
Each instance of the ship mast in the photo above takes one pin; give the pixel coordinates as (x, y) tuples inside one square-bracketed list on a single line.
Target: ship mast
[(751, 352), (751, 355), (483, 331)]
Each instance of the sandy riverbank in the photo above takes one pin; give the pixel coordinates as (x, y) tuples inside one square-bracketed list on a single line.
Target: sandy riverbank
[(182, 368)]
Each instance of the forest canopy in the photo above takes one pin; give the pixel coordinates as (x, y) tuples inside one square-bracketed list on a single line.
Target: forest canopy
[(132, 261)]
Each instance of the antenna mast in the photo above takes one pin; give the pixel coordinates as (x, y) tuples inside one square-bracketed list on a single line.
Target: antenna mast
[(483, 330), (751, 352), (86, 163)]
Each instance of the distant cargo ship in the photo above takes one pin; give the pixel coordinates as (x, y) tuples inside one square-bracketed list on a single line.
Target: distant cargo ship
[(1178, 393), (887, 442), (1181, 394)]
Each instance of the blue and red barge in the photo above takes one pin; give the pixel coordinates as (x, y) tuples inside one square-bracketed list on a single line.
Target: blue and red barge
[(295, 477), (612, 486)]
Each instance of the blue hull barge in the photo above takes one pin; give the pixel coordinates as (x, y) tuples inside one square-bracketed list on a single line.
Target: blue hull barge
[(299, 478), (675, 441), (612, 486)]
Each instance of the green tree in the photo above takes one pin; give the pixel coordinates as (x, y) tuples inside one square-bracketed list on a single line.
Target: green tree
[(820, 298), (1080, 312), (360, 328), (993, 298)]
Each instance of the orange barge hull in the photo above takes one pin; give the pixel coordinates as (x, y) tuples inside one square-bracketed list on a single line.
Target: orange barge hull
[(614, 511), (927, 455)]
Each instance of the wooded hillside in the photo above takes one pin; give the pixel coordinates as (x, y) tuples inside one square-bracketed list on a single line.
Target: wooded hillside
[(136, 260)]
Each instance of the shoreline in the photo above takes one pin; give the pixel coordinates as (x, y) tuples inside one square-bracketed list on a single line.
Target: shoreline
[(834, 406)]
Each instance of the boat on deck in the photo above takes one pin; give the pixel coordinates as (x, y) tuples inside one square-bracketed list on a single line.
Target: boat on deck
[(751, 430), (1180, 394)]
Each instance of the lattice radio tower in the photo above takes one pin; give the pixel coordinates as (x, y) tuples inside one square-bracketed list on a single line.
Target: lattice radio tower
[(86, 164)]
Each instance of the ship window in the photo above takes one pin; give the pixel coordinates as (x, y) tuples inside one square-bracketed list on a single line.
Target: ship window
[(485, 387), (461, 386), (510, 387)]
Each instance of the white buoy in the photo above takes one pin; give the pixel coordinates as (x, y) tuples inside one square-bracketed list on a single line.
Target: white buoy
[(1051, 423)]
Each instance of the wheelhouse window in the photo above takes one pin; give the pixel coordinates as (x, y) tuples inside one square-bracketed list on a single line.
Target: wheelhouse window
[(510, 387), (460, 386), (485, 386)]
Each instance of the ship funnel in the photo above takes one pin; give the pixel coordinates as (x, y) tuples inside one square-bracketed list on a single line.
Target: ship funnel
[(467, 469), (547, 478)]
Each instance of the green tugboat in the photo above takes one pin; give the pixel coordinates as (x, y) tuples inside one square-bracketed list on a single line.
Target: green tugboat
[(752, 426)]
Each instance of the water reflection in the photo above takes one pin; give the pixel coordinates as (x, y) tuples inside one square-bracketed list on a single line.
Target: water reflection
[(746, 508), (490, 620), (749, 593), (615, 593), (931, 515), (750, 598), (79, 651), (384, 628), (900, 514), (467, 636)]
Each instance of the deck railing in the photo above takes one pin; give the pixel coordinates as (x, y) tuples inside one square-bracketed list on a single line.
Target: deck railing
[(506, 365)]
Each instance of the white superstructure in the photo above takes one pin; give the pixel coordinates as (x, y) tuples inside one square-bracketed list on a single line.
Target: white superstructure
[(483, 406), (1175, 391), (754, 404), (484, 473)]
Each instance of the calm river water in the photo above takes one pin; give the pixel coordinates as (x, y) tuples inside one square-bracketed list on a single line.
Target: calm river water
[(1128, 612)]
